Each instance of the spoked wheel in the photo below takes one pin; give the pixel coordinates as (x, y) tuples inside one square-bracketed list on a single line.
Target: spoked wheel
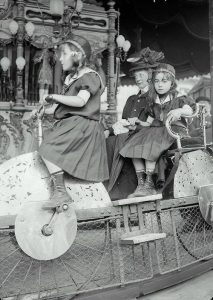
[(194, 234), (85, 265)]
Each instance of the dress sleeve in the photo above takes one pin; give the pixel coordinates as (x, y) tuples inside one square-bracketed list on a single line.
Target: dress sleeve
[(89, 82), (186, 100), (127, 108)]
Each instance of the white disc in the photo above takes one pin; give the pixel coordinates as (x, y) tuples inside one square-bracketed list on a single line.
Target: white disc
[(28, 230)]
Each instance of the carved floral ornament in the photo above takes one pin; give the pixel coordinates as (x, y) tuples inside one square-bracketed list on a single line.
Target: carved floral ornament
[(52, 13)]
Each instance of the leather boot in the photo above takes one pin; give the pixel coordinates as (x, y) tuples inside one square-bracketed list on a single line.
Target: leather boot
[(60, 195), (149, 187), (141, 180)]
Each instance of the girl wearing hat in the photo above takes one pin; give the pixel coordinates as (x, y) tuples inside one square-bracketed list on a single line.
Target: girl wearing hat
[(76, 142), (122, 180), (151, 142)]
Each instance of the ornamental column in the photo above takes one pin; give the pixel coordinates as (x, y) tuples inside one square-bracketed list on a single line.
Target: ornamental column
[(111, 80), (20, 53)]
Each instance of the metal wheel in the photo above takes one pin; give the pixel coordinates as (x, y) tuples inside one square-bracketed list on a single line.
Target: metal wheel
[(194, 234), (84, 266)]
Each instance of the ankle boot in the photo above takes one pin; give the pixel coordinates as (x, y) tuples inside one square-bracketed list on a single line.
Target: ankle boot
[(60, 195), (149, 187), (141, 176)]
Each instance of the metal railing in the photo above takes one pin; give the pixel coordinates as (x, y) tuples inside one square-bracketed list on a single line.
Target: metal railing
[(97, 259)]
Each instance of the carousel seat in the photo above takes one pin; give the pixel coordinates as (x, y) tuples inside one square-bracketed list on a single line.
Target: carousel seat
[(188, 144)]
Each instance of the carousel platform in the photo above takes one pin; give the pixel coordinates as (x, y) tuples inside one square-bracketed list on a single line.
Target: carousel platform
[(196, 289)]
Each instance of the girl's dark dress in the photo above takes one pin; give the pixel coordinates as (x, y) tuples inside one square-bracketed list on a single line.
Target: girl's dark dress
[(151, 142), (123, 180), (76, 142)]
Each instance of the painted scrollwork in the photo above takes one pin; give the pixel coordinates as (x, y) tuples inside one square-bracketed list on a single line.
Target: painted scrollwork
[(4, 141), (12, 138), (16, 129)]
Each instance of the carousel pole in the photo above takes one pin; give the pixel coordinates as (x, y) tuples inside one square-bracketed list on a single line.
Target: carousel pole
[(111, 82), (20, 52), (211, 53)]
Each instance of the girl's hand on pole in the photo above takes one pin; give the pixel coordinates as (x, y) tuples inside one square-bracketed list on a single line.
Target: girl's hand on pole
[(50, 99), (132, 121), (175, 114)]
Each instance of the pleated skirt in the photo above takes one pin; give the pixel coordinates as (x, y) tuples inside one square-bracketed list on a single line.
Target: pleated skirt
[(149, 143), (77, 145)]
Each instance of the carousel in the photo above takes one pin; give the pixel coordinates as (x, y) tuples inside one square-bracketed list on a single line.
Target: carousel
[(95, 247)]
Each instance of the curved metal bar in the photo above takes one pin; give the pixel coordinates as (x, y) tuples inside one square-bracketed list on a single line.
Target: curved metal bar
[(175, 134)]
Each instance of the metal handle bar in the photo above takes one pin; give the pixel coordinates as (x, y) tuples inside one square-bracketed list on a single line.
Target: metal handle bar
[(175, 134)]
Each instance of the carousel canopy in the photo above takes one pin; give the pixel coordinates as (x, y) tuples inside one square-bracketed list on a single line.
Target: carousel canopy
[(178, 28)]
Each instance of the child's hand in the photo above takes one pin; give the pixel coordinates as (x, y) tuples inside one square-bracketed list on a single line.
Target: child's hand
[(49, 99), (106, 133), (43, 100), (175, 114), (132, 127), (144, 124), (132, 120)]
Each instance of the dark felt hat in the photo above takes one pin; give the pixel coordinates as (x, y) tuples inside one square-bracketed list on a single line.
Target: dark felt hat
[(81, 43), (165, 68), (146, 59)]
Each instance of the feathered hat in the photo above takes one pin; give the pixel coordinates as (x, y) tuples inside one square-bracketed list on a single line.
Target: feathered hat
[(146, 58)]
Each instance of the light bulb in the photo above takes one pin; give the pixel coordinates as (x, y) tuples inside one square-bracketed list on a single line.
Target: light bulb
[(120, 41), (126, 46), (20, 63), (13, 27), (5, 63), (79, 6), (57, 7), (29, 27)]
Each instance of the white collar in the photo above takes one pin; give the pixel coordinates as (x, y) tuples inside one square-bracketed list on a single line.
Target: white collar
[(167, 99), (144, 90)]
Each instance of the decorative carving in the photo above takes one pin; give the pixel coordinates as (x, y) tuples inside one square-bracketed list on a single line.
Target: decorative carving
[(90, 21), (36, 14), (5, 9), (4, 141), (108, 119), (111, 91), (16, 129), (94, 2)]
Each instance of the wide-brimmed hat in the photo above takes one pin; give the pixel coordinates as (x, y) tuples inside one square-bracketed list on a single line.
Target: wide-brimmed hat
[(81, 43), (146, 59), (165, 68)]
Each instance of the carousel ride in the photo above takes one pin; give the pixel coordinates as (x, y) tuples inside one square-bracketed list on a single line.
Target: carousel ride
[(96, 247), (95, 244)]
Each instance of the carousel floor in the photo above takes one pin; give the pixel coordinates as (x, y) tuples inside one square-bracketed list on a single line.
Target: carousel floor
[(199, 288)]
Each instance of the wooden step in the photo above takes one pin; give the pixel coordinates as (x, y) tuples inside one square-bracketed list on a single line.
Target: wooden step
[(143, 238), (137, 200)]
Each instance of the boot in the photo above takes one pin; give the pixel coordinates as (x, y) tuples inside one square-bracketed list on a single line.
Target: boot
[(141, 180), (149, 187), (60, 195)]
